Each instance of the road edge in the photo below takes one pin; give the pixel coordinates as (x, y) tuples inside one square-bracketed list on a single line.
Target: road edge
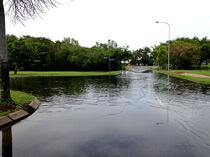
[(15, 117)]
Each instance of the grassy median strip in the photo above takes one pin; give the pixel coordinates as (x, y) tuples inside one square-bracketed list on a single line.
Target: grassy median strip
[(201, 72), (178, 74), (190, 78), (62, 73), (20, 99), (205, 66)]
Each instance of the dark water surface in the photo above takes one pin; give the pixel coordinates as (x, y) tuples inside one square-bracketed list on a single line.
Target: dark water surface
[(130, 115)]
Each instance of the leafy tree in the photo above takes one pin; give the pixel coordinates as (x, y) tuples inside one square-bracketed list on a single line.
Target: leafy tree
[(126, 54), (160, 55), (19, 10), (37, 53), (142, 56), (184, 55), (136, 57), (205, 49), (145, 56), (64, 51), (112, 51), (14, 45)]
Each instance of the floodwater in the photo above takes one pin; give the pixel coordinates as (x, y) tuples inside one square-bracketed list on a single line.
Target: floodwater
[(130, 115)]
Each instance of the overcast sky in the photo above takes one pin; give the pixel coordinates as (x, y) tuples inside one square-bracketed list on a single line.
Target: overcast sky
[(128, 22)]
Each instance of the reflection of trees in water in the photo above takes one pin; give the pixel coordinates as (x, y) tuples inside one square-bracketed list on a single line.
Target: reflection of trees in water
[(183, 99), (205, 89), (180, 93), (178, 86), (49, 86), (7, 142)]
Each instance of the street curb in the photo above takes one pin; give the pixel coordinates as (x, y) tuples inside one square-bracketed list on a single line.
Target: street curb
[(34, 104), (5, 120), (19, 115)]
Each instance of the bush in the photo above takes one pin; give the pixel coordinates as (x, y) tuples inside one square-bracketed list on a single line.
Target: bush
[(185, 55)]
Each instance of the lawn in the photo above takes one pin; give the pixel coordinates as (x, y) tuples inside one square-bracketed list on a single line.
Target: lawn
[(205, 66), (190, 78), (201, 72), (62, 73), (20, 99)]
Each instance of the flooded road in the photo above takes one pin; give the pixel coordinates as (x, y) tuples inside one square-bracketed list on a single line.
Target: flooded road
[(130, 115)]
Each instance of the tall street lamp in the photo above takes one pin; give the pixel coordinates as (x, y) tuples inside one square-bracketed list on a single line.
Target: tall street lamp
[(168, 61), (169, 29)]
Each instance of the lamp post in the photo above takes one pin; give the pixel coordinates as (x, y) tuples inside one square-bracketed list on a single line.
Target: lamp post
[(169, 29)]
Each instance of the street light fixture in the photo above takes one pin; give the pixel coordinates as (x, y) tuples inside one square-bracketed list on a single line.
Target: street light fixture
[(169, 29)]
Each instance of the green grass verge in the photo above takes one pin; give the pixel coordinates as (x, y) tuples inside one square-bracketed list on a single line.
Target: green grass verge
[(190, 78), (20, 99), (62, 73), (201, 72), (205, 66)]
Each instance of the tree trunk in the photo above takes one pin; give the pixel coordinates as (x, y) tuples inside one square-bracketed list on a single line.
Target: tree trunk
[(7, 142), (4, 70), (16, 69)]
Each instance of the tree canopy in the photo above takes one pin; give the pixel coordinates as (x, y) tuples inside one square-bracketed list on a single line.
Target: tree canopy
[(38, 53), (185, 53)]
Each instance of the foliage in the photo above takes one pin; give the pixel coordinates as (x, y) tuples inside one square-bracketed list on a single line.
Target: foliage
[(190, 78), (41, 54), (205, 49), (20, 99), (160, 54), (185, 53), (18, 10), (142, 56)]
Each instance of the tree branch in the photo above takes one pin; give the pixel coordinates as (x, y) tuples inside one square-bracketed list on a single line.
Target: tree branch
[(20, 10)]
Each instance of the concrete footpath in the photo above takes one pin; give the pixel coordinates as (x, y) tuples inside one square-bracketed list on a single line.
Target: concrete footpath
[(19, 115)]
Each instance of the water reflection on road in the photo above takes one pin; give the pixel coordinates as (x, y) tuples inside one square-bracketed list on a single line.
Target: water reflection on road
[(133, 114)]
